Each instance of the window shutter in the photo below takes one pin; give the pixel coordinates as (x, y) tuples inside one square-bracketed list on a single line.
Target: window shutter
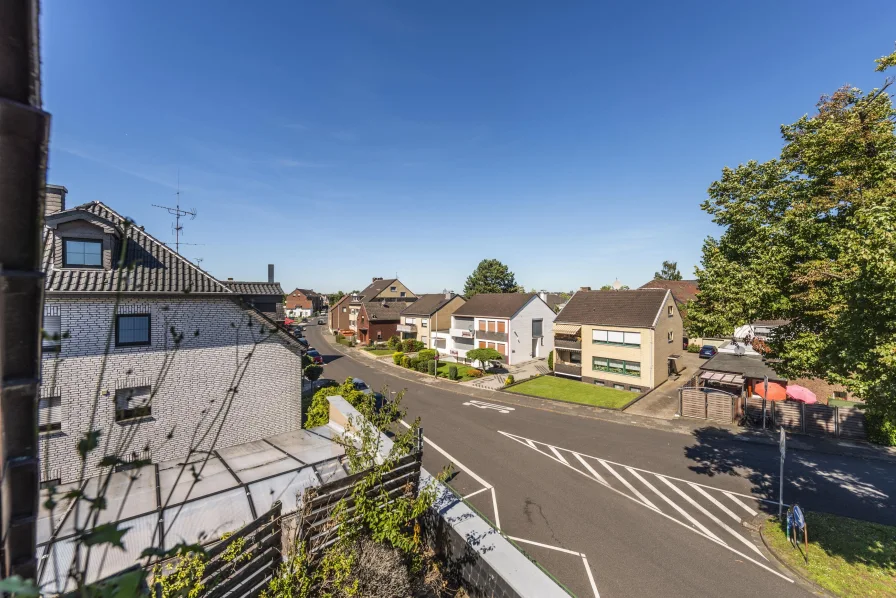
[(599, 336), (49, 411), (633, 338), (615, 337)]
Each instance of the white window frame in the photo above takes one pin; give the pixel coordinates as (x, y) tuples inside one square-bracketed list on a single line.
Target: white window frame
[(424, 322), (49, 410), (410, 321), (671, 311), (671, 336), (52, 329)]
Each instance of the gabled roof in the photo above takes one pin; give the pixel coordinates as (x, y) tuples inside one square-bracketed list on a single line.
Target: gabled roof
[(307, 292), (384, 311), (682, 290), (254, 288), (554, 299), (156, 267), (635, 308), (376, 287), (428, 304), (494, 305)]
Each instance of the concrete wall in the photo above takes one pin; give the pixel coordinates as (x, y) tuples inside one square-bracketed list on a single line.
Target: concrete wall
[(521, 332), (662, 346), (190, 383)]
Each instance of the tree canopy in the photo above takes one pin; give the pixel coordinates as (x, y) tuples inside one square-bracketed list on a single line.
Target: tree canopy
[(669, 271), (491, 276), (483, 356), (810, 237), (334, 298)]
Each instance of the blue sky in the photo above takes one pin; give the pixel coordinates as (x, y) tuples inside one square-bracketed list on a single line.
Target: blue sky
[(345, 140)]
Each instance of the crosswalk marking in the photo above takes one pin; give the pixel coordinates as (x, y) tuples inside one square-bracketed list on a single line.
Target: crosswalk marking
[(681, 511), (628, 485), (715, 519), (599, 477), (740, 502), (559, 456), (712, 499)]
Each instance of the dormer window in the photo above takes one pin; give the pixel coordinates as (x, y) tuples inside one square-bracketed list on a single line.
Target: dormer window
[(82, 253)]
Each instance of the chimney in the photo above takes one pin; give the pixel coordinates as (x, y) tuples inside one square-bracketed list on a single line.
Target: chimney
[(447, 295), (584, 288), (229, 279), (271, 273), (55, 201), (543, 295)]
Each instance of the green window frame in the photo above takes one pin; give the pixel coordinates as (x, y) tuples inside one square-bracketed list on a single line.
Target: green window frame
[(616, 366)]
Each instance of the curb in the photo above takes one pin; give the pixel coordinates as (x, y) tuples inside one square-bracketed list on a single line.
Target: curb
[(756, 526)]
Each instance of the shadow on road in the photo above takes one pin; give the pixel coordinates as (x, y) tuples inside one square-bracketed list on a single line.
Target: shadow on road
[(845, 486)]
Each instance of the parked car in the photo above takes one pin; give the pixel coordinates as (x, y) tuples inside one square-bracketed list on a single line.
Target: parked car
[(320, 322), (315, 356), (707, 351), (303, 342), (324, 383), (379, 400)]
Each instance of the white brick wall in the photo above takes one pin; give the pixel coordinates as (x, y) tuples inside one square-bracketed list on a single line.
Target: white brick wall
[(190, 383)]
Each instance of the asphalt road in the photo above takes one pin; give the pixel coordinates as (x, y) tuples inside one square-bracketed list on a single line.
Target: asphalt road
[(617, 509)]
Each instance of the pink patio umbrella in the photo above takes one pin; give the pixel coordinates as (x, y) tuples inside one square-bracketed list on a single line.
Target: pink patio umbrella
[(801, 393)]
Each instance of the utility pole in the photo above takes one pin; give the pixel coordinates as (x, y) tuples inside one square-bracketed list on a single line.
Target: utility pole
[(178, 213), (24, 137)]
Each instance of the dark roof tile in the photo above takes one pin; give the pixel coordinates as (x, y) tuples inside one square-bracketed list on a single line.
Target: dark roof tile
[(387, 311), (682, 290), (428, 304), (254, 288), (636, 308), (494, 305)]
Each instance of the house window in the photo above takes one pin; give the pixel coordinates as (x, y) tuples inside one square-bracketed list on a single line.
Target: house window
[(132, 403), (616, 366), (536, 328), (423, 339), (401, 294), (132, 330), (615, 337), (599, 383), (671, 336), (492, 326), (52, 337), (410, 321), (81, 253), (575, 357), (840, 394), (49, 414), (424, 322), (379, 336), (501, 327), (343, 310), (671, 311), (482, 325), (619, 386), (393, 289)]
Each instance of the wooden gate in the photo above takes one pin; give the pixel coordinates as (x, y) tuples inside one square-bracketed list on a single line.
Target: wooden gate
[(702, 403)]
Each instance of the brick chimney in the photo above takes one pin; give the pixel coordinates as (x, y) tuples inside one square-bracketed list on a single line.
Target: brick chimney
[(271, 273), (584, 288), (55, 199)]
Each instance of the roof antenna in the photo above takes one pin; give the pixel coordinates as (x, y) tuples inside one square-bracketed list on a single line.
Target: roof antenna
[(178, 213)]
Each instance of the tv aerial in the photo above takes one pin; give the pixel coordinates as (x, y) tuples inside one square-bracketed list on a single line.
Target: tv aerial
[(178, 213)]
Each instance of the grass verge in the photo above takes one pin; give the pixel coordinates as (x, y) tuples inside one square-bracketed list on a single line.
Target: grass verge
[(847, 557), (380, 352), (571, 391), (462, 371)]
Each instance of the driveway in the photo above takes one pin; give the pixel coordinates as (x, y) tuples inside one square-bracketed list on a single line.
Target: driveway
[(662, 401)]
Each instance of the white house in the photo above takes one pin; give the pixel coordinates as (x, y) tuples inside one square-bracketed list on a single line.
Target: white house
[(518, 325)]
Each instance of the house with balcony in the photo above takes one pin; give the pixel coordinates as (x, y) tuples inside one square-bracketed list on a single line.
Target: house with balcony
[(519, 326), (428, 319), (377, 321), (623, 339), (380, 289)]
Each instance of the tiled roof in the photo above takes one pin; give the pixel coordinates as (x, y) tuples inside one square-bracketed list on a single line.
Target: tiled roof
[(682, 290), (750, 366), (494, 305), (554, 299), (428, 304), (156, 267), (636, 308), (254, 288), (378, 311), (375, 288)]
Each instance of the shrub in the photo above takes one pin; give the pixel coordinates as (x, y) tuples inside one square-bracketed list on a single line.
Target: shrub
[(551, 361), (397, 357), (406, 362), (339, 337), (431, 367), (419, 346), (452, 372), (880, 429), (474, 373), (407, 345), (317, 411), (693, 348), (508, 380), (428, 354), (394, 342), (422, 366)]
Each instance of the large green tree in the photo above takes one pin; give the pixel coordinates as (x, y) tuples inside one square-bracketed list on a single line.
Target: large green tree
[(490, 276), (811, 237), (333, 298), (669, 271)]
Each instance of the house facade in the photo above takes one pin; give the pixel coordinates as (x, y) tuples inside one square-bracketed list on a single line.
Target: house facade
[(302, 303), (622, 339), (338, 314), (519, 326), (683, 291), (428, 319), (146, 348), (378, 321), (379, 289)]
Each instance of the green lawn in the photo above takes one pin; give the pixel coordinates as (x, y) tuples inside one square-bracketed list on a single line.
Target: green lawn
[(572, 391), (846, 556), (462, 370), (380, 352), (842, 403)]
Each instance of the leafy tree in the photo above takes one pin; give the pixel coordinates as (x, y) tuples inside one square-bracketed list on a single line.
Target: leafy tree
[(551, 361), (809, 237), (313, 372), (334, 298), (490, 276), (668, 272), (609, 287), (483, 356)]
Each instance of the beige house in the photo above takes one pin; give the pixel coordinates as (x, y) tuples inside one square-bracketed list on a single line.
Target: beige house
[(429, 315), (621, 339), (380, 289)]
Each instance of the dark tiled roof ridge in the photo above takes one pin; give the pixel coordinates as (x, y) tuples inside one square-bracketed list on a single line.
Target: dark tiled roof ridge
[(637, 308)]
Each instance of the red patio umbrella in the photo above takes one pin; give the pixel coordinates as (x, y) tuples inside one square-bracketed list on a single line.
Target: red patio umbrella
[(288, 322), (801, 393)]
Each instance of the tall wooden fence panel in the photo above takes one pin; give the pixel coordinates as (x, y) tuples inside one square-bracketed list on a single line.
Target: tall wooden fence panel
[(800, 418), (851, 424), (706, 404)]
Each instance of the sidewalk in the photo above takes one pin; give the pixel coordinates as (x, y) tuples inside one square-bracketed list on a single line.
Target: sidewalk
[(679, 425)]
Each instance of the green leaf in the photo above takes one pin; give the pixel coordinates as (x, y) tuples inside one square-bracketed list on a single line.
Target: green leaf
[(18, 586), (107, 533)]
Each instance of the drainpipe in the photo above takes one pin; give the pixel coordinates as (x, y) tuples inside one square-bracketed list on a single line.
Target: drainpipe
[(24, 132)]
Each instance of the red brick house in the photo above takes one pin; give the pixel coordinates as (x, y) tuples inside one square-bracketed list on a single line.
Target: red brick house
[(303, 302), (378, 320)]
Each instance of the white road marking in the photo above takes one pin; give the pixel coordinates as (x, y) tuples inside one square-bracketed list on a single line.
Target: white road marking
[(740, 502), (713, 500), (484, 405), (526, 442), (599, 477), (495, 505), (681, 511), (559, 456), (472, 494), (460, 465), (628, 485), (548, 546), (590, 577), (715, 519)]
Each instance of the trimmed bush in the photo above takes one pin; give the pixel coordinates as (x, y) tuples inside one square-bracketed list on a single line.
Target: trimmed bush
[(431, 367), (394, 342), (397, 357), (551, 361), (427, 354), (508, 380), (421, 366), (473, 373), (407, 345), (452, 372), (406, 362), (419, 346)]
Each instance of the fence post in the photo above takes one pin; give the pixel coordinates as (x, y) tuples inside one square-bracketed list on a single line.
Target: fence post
[(803, 418), (836, 422)]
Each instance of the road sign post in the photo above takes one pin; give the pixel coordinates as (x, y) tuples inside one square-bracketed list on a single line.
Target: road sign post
[(782, 444)]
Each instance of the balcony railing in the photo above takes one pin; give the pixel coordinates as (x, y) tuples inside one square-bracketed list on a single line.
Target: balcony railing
[(573, 369), (491, 336), (561, 343), (461, 332), (406, 328)]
